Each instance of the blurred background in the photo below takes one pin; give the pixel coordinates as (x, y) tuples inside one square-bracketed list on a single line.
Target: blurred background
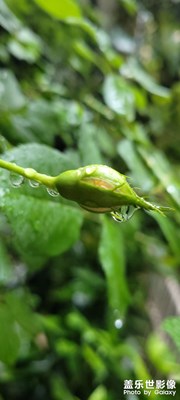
[(85, 302)]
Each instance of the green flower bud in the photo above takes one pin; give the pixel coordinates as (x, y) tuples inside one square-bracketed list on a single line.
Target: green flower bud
[(100, 189)]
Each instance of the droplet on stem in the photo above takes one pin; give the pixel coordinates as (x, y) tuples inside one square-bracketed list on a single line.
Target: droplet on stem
[(52, 192), (16, 180), (33, 184)]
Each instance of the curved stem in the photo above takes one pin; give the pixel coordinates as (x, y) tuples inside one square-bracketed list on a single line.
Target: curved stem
[(29, 173)]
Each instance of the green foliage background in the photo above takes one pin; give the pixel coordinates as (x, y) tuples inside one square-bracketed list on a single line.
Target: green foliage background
[(80, 84)]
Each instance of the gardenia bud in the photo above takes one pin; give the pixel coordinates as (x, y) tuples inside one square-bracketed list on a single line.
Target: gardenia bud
[(100, 189)]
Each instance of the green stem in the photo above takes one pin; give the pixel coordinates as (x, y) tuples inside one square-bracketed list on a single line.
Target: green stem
[(29, 173)]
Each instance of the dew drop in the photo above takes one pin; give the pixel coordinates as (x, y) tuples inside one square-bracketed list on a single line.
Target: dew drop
[(118, 323), (53, 192), (16, 180), (124, 213), (33, 183), (90, 169), (118, 319)]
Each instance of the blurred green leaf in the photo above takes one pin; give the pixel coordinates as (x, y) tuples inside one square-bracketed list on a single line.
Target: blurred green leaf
[(119, 96), (161, 168), (88, 145), (161, 356), (60, 10), (20, 306), (11, 96), (98, 107), (9, 338), (130, 5), (140, 174), (100, 393), (66, 348), (171, 233), (6, 268), (60, 389), (84, 51), (133, 70), (15, 314), (7, 19), (39, 122), (172, 326), (111, 253), (95, 362), (25, 45)]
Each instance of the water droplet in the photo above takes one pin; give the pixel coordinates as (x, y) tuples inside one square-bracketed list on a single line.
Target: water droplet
[(118, 323), (53, 192), (124, 213), (118, 319), (90, 169), (16, 180), (172, 189), (33, 183), (81, 299)]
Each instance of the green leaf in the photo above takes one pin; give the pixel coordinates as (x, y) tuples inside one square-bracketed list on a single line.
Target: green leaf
[(142, 177), (16, 320), (66, 348), (60, 389), (119, 96), (9, 338), (38, 121), (19, 303), (95, 362), (130, 6), (161, 356), (6, 270), (171, 233), (88, 145), (60, 9), (133, 70), (100, 393), (11, 97), (98, 106), (172, 326), (41, 229), (111, 253), (40, 224), (25, 45), (162, 169), (7, 19)]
